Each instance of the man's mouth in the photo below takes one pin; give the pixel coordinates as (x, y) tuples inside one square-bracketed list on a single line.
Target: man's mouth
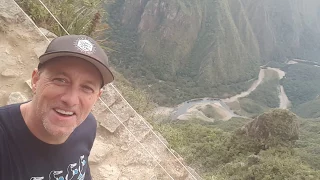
[(64, 113)]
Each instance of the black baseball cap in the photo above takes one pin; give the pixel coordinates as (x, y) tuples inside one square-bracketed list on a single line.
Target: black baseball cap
[(80, 46)]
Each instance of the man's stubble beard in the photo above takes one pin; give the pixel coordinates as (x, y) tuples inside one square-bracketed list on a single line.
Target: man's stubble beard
[(49, 127)]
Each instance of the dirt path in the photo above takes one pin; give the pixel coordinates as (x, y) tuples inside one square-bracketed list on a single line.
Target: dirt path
[(16, 59), (246, 93), (284, 101), (221, 106)]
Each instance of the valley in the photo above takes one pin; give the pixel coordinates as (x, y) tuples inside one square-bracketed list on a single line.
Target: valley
[(217, 85), (189, 108)]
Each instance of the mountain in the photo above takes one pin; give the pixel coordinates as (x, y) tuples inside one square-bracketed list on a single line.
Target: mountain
[(212, 46)]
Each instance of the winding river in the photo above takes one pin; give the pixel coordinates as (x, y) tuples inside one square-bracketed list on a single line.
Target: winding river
[(222, 103)]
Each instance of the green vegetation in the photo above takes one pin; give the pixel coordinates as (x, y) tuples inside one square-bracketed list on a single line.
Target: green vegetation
[(77, 17), (210, 112), (309, 109), (302, 83), (308, 145), (267, 94), (230, 125), (272, 164), (136, 97), (200, 146), (264, 97), (153, 73), (266, 148)]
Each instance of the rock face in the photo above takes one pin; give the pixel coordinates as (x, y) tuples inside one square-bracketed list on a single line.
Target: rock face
[(190, 38), (222, 42), (285, 28), (126, 147), (273, 128)]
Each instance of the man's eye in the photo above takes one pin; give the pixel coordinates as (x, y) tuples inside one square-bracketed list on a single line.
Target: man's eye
[(88, 89), (60, 80)]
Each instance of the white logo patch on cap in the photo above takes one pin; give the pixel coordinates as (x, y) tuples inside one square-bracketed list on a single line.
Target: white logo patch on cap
[(85, 46)]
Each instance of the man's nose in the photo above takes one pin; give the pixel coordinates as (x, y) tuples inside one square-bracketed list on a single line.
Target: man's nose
[(70, 97)]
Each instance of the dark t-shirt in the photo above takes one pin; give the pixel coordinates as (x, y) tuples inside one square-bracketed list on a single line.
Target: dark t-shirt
[(25, 157)]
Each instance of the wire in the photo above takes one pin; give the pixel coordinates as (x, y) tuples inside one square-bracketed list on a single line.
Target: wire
[(136, 138), (31, 21)]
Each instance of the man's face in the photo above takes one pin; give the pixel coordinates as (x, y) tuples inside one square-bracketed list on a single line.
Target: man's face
[(66, 89)]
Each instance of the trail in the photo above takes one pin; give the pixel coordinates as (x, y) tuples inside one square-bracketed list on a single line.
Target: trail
[(190, 107), (284, 101), (246, 93)]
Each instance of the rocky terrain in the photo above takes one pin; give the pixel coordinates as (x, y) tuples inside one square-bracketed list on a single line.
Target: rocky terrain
[(126, 147)]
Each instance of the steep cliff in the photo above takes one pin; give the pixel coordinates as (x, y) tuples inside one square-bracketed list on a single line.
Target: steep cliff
[(210, 44), (198, 39), (285, 28)]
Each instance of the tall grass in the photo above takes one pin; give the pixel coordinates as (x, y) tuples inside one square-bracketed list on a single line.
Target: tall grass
[(76, 16)]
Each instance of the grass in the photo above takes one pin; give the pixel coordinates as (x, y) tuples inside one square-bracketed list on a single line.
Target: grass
[(77, 17)]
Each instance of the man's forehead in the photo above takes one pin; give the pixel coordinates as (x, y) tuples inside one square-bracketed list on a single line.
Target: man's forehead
[(74, 65)]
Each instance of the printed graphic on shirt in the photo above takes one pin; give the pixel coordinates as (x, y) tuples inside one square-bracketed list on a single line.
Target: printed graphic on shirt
[(75, 171)]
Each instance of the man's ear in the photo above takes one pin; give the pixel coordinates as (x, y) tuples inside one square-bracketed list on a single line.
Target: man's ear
[(34, 79), (100, 93)]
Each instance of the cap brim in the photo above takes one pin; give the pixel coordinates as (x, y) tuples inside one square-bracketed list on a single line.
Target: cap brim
[(104, 70)]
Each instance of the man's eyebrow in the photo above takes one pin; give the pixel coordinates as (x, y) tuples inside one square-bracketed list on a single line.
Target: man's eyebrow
[(60, 73), (63, 73), (92, 83)]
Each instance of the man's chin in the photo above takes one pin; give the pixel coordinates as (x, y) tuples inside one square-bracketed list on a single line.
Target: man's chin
[(60, 132)]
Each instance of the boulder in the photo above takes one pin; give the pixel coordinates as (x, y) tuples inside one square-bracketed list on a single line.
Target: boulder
[(276, 127), (99, 151), (10, 73), (16, 97)]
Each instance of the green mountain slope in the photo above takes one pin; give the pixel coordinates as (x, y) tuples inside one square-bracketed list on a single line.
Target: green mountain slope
[(275, 145), (208, 48)]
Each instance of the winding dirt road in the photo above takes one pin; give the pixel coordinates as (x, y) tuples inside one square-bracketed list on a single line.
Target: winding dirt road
[(224, 108)]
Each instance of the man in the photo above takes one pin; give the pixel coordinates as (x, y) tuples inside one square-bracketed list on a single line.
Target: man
[(50, 137)]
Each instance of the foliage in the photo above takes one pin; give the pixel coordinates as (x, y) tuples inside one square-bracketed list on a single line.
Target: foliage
[(232, 124), (273, 128), (166, 89), (266, 94), (199, 145), (302, 83), (264, 97), (220, 151), (275, 163), (77, 17), (136, 97), (250, 107), (309, 109), (308, 146)]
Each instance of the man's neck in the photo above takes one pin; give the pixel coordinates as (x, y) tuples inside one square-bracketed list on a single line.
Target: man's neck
[(35, 125)]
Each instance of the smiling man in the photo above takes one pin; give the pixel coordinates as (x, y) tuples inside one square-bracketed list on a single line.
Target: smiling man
[(50, 137)]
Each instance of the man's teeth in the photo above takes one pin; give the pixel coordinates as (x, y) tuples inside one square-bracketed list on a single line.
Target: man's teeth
[(64, 112)]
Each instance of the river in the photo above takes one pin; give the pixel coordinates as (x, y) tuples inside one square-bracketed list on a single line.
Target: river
[(184, 107), (252, 88)]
